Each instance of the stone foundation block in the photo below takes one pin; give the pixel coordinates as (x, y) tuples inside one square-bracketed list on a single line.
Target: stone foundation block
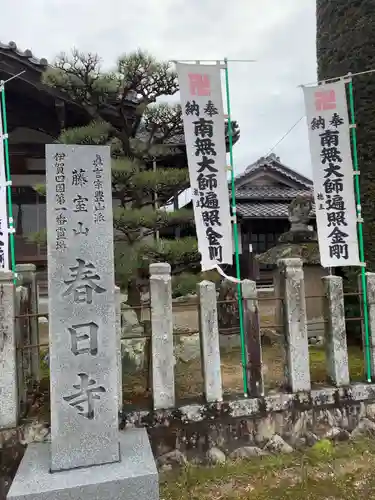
[(133, 478)]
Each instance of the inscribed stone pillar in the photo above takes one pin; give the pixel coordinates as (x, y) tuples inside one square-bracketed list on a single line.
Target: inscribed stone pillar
[(82, 321), (371, 310), (118, 337), (163, 387), (253, 344), (209, 338), (8, 364), (335, 331), (28, 273), (295, 324)]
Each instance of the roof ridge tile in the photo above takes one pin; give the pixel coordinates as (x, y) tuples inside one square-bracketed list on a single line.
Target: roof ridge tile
[(26, 54)]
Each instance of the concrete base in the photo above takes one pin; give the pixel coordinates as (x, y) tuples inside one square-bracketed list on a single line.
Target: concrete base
[(134, 478)]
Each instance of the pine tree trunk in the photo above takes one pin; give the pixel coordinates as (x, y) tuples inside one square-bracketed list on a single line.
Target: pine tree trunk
[(134, 297)]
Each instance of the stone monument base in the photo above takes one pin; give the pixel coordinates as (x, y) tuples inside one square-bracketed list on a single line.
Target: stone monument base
[(134, 478)]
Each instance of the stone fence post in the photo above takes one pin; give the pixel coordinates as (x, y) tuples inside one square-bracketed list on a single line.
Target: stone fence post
[(253, 343), (22, 338), (209, 339), (9, 405), (163, 360), (119, 353), (335, 331), (292, 289), (27, 272), (371, 311)]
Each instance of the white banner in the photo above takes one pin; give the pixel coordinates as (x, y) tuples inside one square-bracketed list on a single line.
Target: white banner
[(329, 137), (4, 234), (203, 116)]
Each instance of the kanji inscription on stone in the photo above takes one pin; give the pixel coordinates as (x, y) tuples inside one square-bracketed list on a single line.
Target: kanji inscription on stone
[(84, 399), (84, 406), (83, 282)]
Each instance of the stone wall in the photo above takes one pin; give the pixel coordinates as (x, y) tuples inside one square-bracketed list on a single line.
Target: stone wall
[(278, 423), (220, 431)]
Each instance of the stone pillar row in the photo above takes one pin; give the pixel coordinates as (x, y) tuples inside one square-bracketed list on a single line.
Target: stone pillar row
[(291, 283)]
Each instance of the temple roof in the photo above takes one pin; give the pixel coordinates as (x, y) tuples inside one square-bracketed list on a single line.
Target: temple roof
[(265, 210), (267, 187), (268, 201), (25, 56), (262, 210), (269, 192), (272, 164), (267, 197)]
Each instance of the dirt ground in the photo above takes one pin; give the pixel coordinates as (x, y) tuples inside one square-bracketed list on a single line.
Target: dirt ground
[(184, 316), (189, 380), (325, 472)]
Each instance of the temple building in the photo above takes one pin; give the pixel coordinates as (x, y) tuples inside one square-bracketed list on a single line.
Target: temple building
[(35, 116), (263, 194)]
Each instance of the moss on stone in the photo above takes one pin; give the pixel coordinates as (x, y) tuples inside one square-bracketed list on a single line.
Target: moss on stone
[(308, 252)]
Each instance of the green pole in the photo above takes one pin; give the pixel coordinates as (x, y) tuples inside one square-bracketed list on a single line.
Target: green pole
[(235, 234), (7, 175), (360, 230)]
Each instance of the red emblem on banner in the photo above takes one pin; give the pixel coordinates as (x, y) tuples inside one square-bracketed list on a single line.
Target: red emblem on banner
[(325, 100), (199, 84)]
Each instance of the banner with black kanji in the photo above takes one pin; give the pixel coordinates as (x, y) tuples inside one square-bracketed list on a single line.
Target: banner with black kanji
[(4, 231), (204, 126), (335, 206)]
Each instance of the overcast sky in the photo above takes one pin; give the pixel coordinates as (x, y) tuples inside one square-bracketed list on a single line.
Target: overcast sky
[(265, 99)]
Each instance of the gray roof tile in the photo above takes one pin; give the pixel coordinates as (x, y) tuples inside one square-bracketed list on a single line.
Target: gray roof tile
[(25, 56), (269, 193), (265, 210)]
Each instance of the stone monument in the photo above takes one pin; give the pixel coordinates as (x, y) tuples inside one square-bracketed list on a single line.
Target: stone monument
[(87, 456), (301, 242)]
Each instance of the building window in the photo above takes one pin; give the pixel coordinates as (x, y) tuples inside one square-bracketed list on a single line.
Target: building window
[(29, 211), (261, 242)]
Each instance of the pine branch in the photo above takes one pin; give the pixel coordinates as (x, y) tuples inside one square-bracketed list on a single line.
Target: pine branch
[(163, 121), (130, 222), (142, 74), (135, 259), (182, 254), (96, 133), (40, 189), (40, 238), (164, 181), (121, 112)]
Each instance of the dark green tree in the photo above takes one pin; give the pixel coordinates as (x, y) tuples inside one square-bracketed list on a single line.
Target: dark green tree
[(345, 43), (122, 111)]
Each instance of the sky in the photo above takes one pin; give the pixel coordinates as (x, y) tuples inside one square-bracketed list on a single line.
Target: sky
[(265, 98)]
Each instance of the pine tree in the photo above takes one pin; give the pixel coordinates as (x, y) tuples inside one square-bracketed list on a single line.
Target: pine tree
[(122, 112), (345, 43)]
